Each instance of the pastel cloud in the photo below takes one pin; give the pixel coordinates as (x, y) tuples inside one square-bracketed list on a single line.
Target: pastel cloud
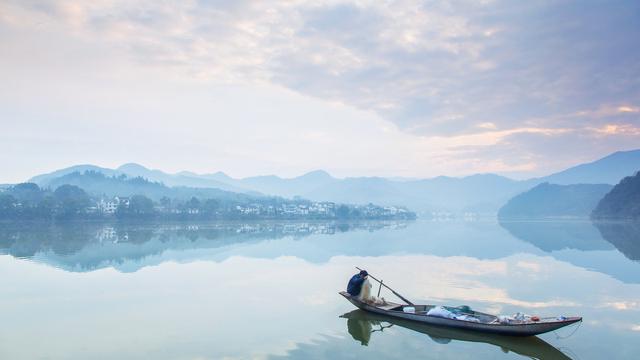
[(475, 78)]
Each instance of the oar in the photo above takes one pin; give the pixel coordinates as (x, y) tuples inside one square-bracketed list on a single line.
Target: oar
[(393, 291)]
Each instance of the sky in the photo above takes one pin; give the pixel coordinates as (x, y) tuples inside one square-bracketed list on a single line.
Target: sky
[(354, 87)]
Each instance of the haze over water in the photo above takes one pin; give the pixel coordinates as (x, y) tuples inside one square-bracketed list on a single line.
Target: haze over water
[(266, 290)]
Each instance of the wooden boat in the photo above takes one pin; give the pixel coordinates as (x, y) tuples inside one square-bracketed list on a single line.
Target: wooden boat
[(487, 323), (361, 325)]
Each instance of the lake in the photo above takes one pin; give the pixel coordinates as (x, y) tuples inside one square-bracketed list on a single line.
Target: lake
[(268, 290)]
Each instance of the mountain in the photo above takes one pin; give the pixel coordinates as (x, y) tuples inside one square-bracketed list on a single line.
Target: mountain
[(622, 202), (484, 193), (297, 186), (44, 179), (96, 183), (481, 193), (180, 179), (551, 200), (183, 179), (608, 170), (218, 176), (477, 193)]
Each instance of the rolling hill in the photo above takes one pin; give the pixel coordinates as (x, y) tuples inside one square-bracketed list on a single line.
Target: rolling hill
[(97, 184), (552, 201)]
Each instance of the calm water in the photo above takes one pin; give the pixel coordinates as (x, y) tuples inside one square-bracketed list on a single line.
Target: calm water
[(269, 290)]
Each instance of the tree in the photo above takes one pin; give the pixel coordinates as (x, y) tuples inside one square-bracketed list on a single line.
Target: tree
[(210, 207), (342, 212), (194, 203), (140, 206), (46, 207), (72, 201), (7, 206), (165, 201), (29, 194)]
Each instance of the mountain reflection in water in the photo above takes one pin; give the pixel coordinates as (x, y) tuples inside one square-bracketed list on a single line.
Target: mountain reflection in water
[(361, 325), (86, 246), (594, 246), (625, 236), (550, 236), (607, 247)]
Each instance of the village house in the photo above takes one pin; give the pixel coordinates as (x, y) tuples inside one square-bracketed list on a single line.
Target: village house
[(110, 206)]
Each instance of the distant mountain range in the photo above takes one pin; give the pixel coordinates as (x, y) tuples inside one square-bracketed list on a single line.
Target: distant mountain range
[(185, 179), (98, 183), (483, 193)]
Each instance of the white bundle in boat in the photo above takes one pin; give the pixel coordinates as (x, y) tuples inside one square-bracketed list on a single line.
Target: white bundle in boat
[(515, 318), (440, 311), (365, 295), (365, 291)]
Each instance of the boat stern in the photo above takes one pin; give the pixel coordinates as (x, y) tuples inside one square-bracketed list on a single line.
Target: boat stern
[(354, 300)]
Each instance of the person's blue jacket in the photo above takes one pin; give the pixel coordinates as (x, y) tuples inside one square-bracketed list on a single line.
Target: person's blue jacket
[(355, 284)]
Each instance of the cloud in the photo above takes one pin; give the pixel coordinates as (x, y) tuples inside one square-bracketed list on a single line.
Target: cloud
[(431, 68), (545, 151), (510, 79), (623, 305)]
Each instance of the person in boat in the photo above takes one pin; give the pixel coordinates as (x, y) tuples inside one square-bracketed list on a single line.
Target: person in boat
[(360, 287), (354, 288)]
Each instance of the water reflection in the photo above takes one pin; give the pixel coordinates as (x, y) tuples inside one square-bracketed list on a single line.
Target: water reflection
[(86, 246), (609, 248), (551, 236), (605, 247), (361, 325), (268, 290), (625, 236)]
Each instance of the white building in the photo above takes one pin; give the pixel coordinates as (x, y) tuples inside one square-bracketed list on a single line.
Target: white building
[(110, 206)]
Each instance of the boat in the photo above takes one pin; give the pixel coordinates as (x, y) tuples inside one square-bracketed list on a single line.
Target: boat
[(467, 320), (361, 325)]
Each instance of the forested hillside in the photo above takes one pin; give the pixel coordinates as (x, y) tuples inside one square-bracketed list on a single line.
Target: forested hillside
[(622, 202)]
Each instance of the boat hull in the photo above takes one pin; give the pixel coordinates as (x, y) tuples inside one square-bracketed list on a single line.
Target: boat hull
[(531, 347), (528, 329)]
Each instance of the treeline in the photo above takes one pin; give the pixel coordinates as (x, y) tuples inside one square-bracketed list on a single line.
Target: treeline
[(28, 201)]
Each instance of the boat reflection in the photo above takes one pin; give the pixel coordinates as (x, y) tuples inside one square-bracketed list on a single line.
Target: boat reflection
[(361, 325)]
